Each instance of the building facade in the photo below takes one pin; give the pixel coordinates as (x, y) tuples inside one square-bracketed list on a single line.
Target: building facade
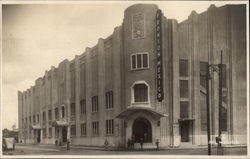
[(144, 82)]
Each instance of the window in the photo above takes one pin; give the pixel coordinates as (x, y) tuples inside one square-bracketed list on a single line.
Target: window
[(95, 128), (56, 113), (183, 68), (83, 129), (203, 109), (110, 126), (73, 109), (223, 119), (38, 118), (139, 61), (50, 132), (109, 100), (184, 109), (183, 88), (50, 115), (56, 132), (140, 93), (95, 104), (73, 130), (63, 112), (83, 106), (30, 120), (44, 116), (44, 133), (34, 119)]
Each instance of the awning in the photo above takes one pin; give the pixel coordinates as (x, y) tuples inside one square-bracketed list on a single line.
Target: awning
[(185, 119), (59, 123), (131, 110), (36, 127)]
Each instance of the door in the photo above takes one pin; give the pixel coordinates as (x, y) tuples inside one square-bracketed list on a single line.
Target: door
[(184, 130), (38, 136), (64, 134), (142, 130)]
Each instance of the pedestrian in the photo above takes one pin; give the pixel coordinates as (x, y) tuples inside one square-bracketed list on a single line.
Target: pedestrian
[(68, 145), (106, 143), (157, 144), (128, 144), (141, 142)]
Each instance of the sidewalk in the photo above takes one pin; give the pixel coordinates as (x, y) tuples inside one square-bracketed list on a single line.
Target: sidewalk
[(124, 149)]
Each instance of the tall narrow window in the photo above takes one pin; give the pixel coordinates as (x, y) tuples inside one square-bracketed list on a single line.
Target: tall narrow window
[(73, 109), (83, 129), (184, 109), (184, 88), (224, 119), (73, 130), (109, 100), (83, 106), (63, 112), (140, 93), (95, 128), (183, 68), (145, 60), (110, 126), (56, 113), (139, 61), (95, 104), (133, 62)]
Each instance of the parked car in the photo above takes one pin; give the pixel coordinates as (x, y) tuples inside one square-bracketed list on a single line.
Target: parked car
[(8, 144)]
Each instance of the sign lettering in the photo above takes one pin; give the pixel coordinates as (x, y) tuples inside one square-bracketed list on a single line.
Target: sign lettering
[(159, 76)]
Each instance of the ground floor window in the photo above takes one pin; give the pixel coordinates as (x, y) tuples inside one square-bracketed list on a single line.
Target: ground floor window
[(83, 129), (110, 127), (44, 133), (73, 130), (95, 128)]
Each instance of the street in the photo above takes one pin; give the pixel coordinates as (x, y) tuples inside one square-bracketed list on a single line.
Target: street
[(60, 150)]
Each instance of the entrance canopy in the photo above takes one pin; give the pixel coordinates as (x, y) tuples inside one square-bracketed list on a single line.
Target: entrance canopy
[(36, 127), (57, 123), (131, 110)]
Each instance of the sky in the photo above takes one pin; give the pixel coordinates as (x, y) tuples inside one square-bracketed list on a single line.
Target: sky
[(38, 36)]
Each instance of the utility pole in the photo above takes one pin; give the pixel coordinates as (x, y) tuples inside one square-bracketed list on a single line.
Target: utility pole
[(220, 94), (208, 109)]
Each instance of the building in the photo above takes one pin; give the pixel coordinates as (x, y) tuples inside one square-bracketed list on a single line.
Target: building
[(144, 81)]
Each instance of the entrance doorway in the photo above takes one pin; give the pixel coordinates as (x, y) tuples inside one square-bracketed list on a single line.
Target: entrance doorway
[(64, 134), (184, 130), (38, 136), (142, 129)]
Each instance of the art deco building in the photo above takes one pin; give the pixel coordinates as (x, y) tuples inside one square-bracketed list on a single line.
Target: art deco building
[(145, 81)]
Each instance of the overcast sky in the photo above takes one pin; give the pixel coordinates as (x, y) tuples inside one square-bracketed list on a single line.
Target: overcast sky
[(37, 36)]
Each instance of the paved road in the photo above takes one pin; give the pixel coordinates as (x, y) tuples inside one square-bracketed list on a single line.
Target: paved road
[(53, 150)]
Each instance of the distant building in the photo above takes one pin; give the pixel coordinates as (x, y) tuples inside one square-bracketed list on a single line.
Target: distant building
[(144, 81)]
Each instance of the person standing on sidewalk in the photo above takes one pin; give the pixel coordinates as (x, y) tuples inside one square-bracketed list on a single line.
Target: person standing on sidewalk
[(141, 142)]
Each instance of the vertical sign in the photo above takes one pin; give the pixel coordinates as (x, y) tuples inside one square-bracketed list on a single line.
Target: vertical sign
[(159, 77)]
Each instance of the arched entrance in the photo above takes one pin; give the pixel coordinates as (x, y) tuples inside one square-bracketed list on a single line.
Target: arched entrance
[(142, 129)]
